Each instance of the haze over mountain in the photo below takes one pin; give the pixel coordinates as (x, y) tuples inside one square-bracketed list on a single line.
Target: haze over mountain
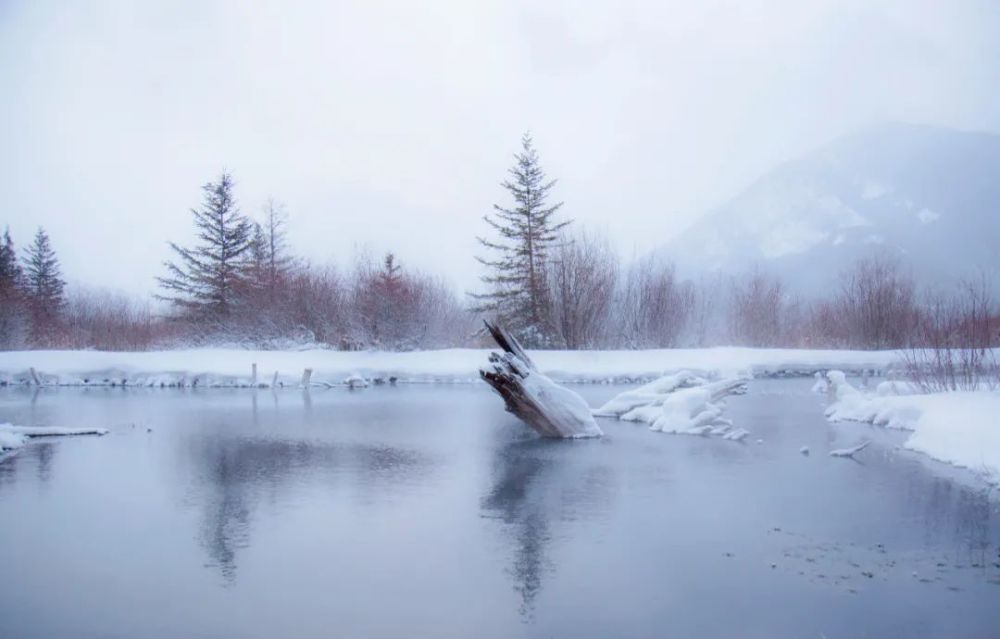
[(928, 195)]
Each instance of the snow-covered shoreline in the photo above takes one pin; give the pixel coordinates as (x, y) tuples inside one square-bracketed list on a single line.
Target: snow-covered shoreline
[(959, 428), (232, 367)]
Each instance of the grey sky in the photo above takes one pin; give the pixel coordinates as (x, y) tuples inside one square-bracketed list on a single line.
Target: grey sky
[(390, 124)]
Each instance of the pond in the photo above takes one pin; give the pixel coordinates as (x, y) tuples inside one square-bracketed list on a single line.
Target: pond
[(427, 511)]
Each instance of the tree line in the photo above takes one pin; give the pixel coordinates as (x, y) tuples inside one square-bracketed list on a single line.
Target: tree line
[(553, 284)]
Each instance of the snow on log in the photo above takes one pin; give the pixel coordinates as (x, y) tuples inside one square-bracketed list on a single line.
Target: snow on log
[(548, 408), (12, 437), (680, 403), (850, 452), (649, 394)]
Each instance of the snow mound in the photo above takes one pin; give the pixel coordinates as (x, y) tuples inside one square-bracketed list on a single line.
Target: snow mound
[(10, 440), (355, 380), (959, 428), (821, 385)]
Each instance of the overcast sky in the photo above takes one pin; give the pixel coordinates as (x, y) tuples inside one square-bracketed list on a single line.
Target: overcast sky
[(390, 124)]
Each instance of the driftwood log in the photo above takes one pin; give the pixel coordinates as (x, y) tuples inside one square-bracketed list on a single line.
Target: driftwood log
[(548, 408)]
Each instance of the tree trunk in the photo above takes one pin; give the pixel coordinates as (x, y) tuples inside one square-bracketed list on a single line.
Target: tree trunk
[(549, 409)]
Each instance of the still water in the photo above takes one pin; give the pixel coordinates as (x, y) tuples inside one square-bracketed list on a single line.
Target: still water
[(426, 511)]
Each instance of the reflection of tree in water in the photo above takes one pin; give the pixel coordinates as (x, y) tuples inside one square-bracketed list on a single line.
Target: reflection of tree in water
[(41, 453), (44, 452), (234, 475), (8, 468), (535, 486), (516, 470)]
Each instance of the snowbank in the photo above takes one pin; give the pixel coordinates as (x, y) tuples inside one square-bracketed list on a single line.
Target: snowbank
[(12, 437), (232, 367), (961, 428)]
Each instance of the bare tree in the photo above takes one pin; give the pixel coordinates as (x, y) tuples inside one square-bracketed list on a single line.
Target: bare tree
[(583, 275), (654, 306), (877, 300), (757, 303), (707, 317), (956, 337)]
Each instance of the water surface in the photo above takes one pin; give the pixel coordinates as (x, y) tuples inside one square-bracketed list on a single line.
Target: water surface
[(428, 511)]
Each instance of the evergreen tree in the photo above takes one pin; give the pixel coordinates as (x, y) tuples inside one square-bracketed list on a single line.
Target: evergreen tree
[(43, 285), (11, 298), (10, 270), (527, 232), (205, 279), (391, 274)]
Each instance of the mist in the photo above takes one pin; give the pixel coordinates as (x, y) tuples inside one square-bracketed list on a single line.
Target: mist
[(388, 126)]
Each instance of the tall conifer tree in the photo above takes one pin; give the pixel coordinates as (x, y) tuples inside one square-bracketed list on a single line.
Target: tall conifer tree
[(43, 285), (205, 279), (515, 277)]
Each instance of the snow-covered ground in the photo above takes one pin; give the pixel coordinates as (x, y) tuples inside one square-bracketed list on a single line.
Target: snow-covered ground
[(232, 367), (961, 428)]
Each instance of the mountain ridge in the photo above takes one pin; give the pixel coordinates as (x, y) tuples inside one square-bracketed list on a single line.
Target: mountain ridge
[(925, 194)]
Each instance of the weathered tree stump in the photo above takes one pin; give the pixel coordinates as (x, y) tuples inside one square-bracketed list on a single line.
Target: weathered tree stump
[(548, 408)]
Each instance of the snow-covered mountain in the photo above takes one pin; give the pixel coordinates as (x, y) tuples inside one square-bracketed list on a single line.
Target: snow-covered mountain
[(926, 194)]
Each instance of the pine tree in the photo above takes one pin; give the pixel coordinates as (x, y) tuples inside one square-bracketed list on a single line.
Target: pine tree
[(516, 277), (391, 273), (43, 285), (11, 297), (205, 279), (10, 270)]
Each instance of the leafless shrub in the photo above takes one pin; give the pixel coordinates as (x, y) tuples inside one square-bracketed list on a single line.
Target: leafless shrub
[(654, 305), (399, 309), (108, 321), (757, 304), (957, 335), (877, 303), (706, 322)]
